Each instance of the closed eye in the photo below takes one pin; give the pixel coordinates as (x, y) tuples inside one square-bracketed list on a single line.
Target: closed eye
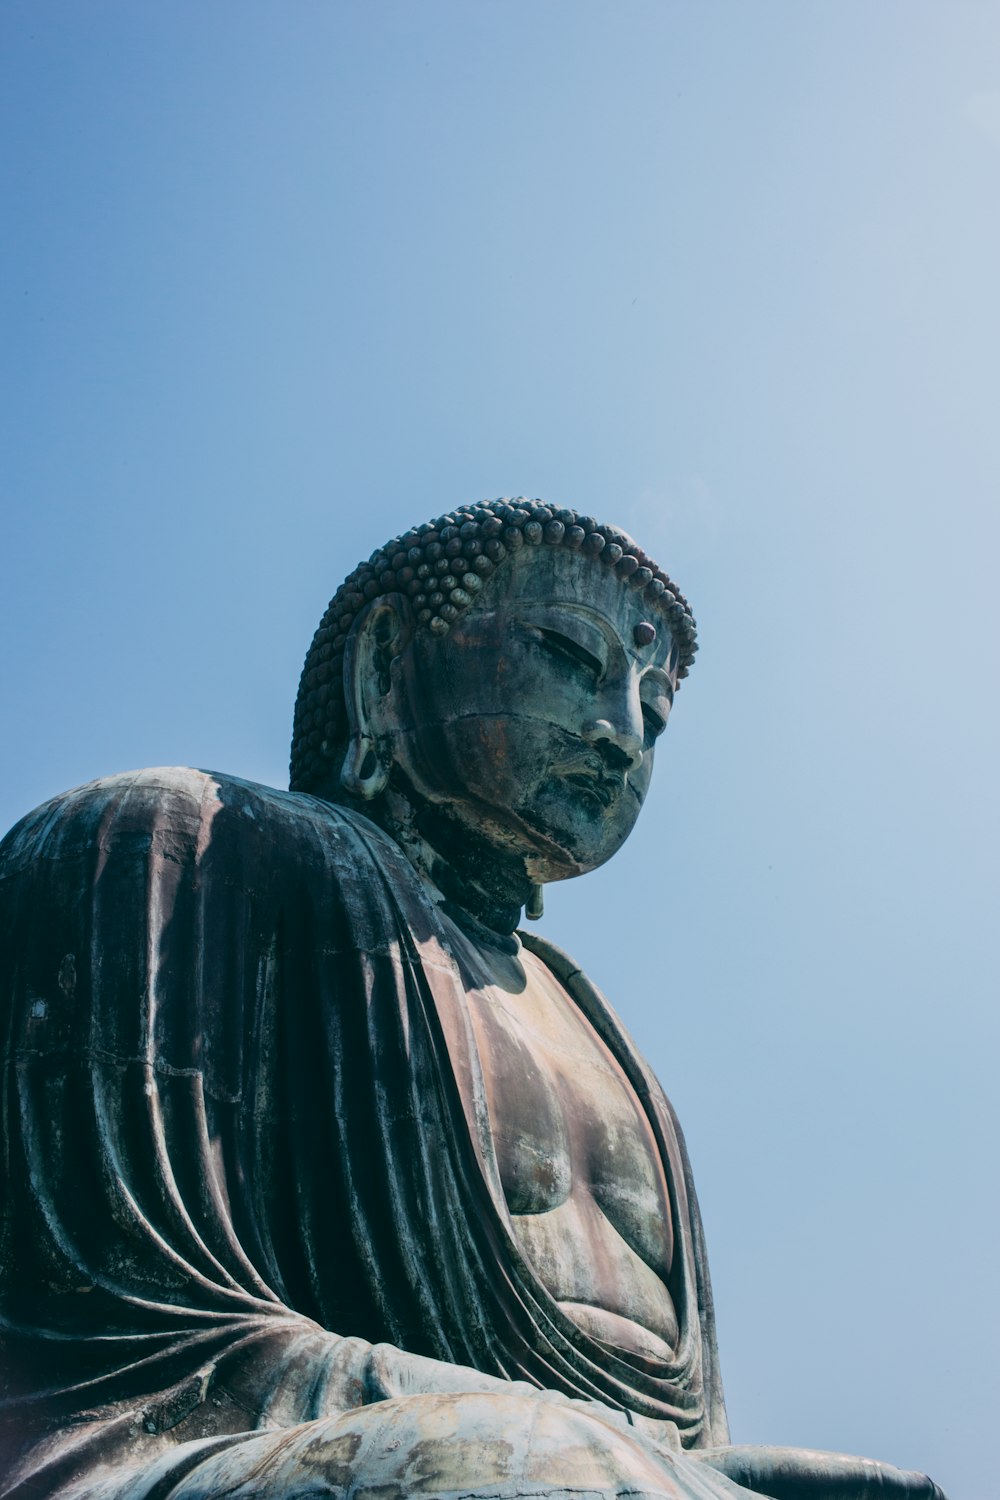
[(562, 645), (655, 724)]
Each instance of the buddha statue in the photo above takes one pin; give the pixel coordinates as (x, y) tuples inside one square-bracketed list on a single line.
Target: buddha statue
[(318, 1174)]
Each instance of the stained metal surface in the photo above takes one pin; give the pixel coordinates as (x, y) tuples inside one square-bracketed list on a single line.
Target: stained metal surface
[(247, 1141)]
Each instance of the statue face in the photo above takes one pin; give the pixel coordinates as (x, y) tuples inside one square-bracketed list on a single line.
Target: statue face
[(535, 718)]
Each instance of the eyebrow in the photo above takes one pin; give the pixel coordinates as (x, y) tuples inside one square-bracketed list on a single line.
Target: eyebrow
[(570, 613), (566, 618), (573, 648)]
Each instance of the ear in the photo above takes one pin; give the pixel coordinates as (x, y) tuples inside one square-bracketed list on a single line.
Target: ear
[(377, 637)]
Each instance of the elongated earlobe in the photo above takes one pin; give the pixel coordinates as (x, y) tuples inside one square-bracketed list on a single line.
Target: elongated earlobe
[(535, 905), (363, 774), (378, 635)]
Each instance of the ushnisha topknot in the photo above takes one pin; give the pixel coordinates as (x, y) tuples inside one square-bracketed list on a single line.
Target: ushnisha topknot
[(442, 566)]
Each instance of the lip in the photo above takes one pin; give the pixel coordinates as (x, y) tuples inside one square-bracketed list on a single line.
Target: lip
[(605, 786)]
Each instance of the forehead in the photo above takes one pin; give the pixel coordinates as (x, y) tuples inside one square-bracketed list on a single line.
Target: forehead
[(558, 581)]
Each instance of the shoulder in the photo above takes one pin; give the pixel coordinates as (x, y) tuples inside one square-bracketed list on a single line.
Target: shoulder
[(189, 817)]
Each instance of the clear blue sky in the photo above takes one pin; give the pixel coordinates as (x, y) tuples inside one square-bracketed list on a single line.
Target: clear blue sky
[(282, 279)]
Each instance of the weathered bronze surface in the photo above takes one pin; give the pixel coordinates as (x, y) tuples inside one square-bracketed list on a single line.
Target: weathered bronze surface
[(320, 1177)]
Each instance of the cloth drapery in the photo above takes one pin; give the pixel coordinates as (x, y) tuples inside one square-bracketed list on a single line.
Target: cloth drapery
[(246, 1139)]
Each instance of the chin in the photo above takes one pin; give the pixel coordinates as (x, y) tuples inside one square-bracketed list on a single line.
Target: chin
[(574, 838)]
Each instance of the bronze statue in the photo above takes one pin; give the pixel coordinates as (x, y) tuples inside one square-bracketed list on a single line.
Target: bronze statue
[(317, 1174)]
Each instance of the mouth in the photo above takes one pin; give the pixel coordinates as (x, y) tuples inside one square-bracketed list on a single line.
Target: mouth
[(605, 786)]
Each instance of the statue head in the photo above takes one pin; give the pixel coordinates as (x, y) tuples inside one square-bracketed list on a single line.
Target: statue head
[(503, 674)]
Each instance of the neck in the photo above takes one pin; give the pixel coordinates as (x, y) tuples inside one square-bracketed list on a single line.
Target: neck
[(473, 876)]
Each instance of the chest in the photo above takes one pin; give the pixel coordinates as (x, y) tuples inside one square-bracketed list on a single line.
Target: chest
[(565, 1120)]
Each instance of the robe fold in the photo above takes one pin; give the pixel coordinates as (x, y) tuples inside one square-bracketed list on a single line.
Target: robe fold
[(246, 1140)]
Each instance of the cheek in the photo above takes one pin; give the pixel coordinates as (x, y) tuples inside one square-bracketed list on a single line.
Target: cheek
[(640, 778), (501, 757)]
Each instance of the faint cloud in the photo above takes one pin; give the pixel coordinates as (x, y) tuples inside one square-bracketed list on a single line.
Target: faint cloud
[(682, 517), (982, 111)]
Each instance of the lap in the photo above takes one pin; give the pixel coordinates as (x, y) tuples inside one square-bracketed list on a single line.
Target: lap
[(480, 1446), (492, 1445)]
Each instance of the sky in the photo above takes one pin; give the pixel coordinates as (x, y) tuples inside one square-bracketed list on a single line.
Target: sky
[(282, 280)]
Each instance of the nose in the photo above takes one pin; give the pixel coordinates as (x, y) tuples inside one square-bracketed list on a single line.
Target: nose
[(624, 738)]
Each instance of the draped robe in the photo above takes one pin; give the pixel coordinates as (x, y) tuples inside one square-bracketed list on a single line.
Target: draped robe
[(246, 1128), (248, 1179)]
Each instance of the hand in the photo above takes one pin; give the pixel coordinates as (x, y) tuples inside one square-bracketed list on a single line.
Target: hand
[(808, 1474)]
